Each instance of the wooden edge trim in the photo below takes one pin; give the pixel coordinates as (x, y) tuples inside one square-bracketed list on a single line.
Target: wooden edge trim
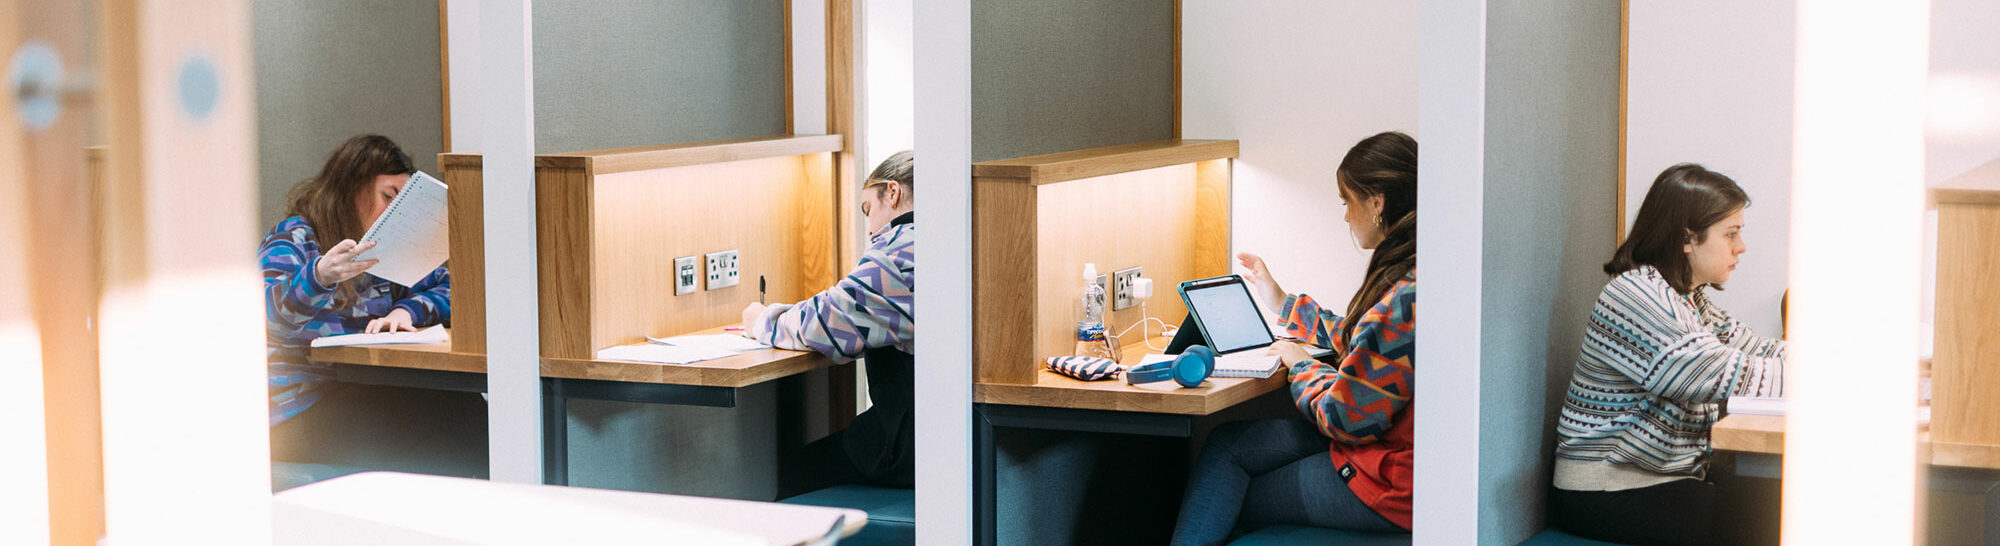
[(1108, 160), (1624, 91), (447, 160), (641, 158), (1963, 197), (444, 71)]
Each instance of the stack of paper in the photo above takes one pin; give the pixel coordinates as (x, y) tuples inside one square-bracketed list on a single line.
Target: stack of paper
[(726, 342), (434, 334), (1756, 405), (664, 354)]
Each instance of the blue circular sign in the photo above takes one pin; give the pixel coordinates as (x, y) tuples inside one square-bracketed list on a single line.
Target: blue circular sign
[(199, 87), (35, 78)]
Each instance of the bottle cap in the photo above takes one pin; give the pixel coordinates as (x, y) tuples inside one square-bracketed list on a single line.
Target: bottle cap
[(1090, 272)]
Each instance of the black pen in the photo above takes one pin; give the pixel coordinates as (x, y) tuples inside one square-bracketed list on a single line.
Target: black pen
[(760, 290)]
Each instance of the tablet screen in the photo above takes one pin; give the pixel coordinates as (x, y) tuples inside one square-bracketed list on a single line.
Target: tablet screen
[(1227, 315)]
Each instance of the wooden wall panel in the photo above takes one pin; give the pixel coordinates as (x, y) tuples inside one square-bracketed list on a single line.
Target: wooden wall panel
[(1003, 286), (1211, 218), (564, 260), (1966, 365), (819, 242), (643, 220), (466, 223), (1141, 218)]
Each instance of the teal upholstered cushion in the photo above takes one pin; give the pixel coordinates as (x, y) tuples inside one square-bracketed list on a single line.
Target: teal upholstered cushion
[(892, 513), (1286, 534)]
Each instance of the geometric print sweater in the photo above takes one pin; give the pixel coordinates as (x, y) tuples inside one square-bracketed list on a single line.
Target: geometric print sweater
[(298, 309), (1363, 400), (874, 306), (1655, 367)]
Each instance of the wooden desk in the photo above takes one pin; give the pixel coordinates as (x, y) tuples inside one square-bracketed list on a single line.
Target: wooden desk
[(1766, 434), (709, 383), (1055, 402)]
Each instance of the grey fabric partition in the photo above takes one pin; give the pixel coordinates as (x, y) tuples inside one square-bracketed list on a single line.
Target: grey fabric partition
[(618, 73), (326, 71), (1550, 200), (1059, 75)]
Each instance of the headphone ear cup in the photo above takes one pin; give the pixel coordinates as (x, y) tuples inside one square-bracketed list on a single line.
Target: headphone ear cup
[(1193, 365)]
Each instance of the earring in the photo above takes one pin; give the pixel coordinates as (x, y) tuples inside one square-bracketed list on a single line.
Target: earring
[(1378, 220)]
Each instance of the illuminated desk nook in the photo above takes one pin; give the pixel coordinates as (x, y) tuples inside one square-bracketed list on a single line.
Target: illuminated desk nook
[(610, 223), (1163, 206)]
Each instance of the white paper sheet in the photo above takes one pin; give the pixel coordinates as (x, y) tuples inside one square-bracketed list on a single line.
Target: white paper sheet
[(411, 236), (1757, 405), (725, 342), (664, 354), (434, 334)]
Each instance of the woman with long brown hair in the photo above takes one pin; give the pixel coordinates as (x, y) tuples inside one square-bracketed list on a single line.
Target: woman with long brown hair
[(315, 286), (1658, 360), (1348, 464)]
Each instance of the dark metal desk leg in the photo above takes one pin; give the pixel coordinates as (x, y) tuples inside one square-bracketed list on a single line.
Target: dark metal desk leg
[(555, 433), (984, 494)]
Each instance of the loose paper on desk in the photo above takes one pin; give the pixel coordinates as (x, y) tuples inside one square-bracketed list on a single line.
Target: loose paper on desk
[(664, 354), (1757, 405), (725, 342), (434, 334), (410, 236)]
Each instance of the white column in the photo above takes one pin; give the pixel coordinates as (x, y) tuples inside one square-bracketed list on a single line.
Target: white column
[(1451, 118), (506, 108), (943, 63), (462, 45), (809, 67), (1857, 213)]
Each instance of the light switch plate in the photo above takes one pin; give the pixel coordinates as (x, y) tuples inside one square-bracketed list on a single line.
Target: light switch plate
[(722, 269), (687, 275), (1121, 288)]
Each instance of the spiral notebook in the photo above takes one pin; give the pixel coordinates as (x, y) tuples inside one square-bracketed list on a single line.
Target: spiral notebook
[(411, 235)]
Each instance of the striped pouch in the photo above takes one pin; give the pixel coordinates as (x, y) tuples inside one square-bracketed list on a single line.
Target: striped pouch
[(1087, 368)]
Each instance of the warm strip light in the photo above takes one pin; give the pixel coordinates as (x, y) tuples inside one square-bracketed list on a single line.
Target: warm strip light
[(24, 490), (1857, 206)]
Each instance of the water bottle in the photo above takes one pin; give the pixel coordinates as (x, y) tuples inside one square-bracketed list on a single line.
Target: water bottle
[(1090, 336)]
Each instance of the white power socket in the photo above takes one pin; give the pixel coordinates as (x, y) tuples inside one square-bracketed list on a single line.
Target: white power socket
[(1122, 296), (687, 275), (722, 269)]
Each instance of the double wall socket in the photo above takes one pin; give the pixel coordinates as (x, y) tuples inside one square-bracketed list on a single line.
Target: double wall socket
[(1121, 288), (722, 269), (687, 275)]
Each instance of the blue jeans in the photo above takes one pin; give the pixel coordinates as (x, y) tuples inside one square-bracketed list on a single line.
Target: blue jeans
[(1255, 474)]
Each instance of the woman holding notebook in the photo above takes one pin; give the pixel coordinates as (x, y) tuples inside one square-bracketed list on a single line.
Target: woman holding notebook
[(1658, 360), (1347, 466), (315, 286)]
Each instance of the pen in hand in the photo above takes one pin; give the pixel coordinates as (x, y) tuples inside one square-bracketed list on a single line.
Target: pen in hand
[(760, 289)]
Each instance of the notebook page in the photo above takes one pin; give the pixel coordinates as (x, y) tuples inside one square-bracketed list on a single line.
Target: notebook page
[(410, 236)]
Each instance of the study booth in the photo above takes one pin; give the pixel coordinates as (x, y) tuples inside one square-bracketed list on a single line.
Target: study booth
[(610, 224), (1162, 206), (1958, 438)]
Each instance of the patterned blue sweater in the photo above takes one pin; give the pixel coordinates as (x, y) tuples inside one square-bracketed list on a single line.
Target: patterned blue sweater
[(873, 307), (298, 309), (1655, 367)]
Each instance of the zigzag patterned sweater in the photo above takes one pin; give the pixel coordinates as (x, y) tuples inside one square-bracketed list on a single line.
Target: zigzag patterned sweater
[(298, 309), (1655, 367), (1363, 401)]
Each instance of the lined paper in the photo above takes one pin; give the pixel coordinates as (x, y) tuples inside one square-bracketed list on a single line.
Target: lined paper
[(410, 237)]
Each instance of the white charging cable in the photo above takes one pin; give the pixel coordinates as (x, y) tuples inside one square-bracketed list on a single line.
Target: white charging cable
[(1142, 288)]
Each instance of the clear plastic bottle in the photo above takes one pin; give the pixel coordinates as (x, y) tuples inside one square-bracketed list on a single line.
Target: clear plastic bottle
[(1091, 339)]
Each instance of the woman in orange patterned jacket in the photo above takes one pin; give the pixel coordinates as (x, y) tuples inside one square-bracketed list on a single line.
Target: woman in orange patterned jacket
[(1347, 465)]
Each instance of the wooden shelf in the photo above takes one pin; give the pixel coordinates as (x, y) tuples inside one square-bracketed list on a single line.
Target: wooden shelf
[(423, 356), (641, 158), (743, 370), (1056, 391), (1080, 164), (1749, 433)]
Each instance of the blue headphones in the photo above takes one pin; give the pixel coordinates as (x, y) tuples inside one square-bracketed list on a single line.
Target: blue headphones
[(1189, 369)]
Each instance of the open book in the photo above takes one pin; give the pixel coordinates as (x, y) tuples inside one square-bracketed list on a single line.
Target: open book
[(410, 236), (434, 334)]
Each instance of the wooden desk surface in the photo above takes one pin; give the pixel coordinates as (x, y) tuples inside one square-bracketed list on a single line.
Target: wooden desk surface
[(1766, 434), (744, 369), (1053, 390)]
